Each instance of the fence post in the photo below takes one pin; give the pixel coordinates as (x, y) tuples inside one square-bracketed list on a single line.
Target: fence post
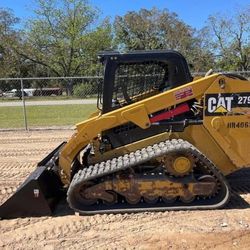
[(24, 107)]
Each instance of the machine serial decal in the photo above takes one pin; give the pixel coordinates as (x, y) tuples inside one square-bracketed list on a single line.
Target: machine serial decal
[(183, 93), (221, 104), (238, 125)]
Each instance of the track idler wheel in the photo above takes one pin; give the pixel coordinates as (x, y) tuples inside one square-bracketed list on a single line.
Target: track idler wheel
[(187, 198), (112, 200), (150, 199), (169, 199), (133, 198)]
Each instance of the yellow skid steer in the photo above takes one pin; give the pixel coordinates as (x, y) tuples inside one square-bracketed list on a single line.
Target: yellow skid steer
[(160, 140)]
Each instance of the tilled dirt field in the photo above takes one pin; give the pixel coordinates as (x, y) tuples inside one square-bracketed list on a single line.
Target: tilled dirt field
[(219, 229)]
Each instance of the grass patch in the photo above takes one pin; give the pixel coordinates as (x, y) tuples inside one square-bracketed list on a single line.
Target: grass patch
[(37, 116)]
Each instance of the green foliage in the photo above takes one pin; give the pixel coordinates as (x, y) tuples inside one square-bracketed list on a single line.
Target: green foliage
[(64, 36), (152, 29), (229, 39), (160, 29), (84, 90), (10, 62)]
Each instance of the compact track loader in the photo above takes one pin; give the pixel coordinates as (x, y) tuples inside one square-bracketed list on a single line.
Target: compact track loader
[(160, 140)]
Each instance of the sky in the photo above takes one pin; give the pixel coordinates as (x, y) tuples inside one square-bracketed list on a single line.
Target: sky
[(192, 12)]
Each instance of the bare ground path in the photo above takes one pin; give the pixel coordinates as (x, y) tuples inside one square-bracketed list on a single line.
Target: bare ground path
[(219, 229)]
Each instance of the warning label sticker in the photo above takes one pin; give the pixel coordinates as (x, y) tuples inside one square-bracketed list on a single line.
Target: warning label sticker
[(183, 93)]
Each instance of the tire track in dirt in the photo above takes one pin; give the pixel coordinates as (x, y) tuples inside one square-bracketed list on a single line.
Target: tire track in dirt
[(32, 140), (51, 229), (24, 152), (20, 223), (132, 228), (14, 175), (57, 229), (9, 171), (16, 166), (100, 231)]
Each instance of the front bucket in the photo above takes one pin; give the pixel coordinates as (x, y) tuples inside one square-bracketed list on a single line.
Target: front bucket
[(39, 194)]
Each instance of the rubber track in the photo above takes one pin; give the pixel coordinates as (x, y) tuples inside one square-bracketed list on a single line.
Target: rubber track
[(136, 158)]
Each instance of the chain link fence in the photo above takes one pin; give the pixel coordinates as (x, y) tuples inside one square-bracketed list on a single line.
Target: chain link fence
[(52, 102), (47, 102)]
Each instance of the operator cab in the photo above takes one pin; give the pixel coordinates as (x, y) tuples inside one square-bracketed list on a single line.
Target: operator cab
[(136, 75)]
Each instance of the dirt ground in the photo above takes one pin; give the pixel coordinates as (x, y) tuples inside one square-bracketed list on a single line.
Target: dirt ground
[(219, 229)]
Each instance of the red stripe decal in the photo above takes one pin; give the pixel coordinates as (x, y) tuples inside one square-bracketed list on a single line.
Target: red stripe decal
[(183, 108)]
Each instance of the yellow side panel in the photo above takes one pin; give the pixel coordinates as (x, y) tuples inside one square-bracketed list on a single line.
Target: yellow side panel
[(227, 117), (201, 139), (135, 115)]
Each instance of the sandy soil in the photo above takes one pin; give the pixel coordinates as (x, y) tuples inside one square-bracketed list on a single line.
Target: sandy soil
[(219, 229)]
